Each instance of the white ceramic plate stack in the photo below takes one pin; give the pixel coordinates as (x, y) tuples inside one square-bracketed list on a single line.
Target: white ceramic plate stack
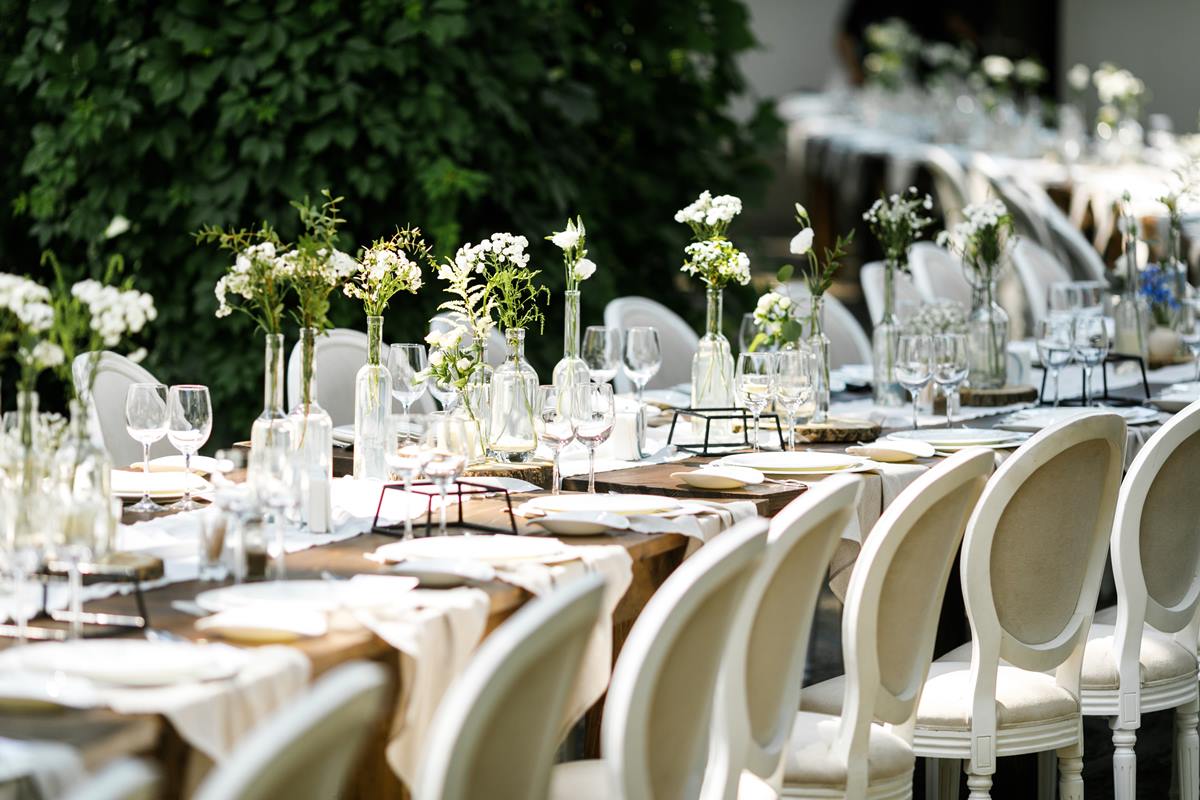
[(497, 549), (723, 477), (950, 440), (611, 503), (127, 662), (1177, 397), (798, 463), (1032, 420), (305, 595), (167, 485)]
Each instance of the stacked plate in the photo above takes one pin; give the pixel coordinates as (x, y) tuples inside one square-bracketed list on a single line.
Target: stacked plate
[(343, 434), (798, 463), (496, 549), (625, 504), (162, 486), (127, 662), (1177, 397), (304, 595), (950, 440), (1031, 420)]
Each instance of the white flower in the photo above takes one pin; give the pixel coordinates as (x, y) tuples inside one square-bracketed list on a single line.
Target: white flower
[(802, 242), (566, 239), (998, 68), (1078, 77), (708, 215), (584, 269), (464, 364), (436, 358), (44, 355), (717, 262), (27, 301), (114, 312), (137, 356), (116, 227), (1029, 72)]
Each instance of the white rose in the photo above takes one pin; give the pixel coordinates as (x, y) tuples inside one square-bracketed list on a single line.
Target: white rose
[(566, 239), (585, 269), (436, 358), (802, 242), (463, 364)]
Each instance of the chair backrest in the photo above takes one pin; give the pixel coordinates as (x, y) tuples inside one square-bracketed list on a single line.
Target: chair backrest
[(848, 342), (872, 277), (340, 354), (496, 729), (1156, 541), (676, 338), (759, 689), (1038, 269), (1026, 217), (895, 597), (938, 274), (124, 779), (305, 751), (1033, 557), (493, 349), (949, 182), (1087, 263), (114, 375), (656, 718)]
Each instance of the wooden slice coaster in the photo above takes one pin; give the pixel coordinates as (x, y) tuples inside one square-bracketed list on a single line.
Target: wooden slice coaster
[(536, 472), (838, 430), (130, 566), (1004, 396)]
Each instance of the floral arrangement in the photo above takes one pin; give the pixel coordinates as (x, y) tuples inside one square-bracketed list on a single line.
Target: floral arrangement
[(893, 46), (897, 221), (1029, 74), (387, 267), (449, 364), (982, 239), (26, 316), (314, 267), (711, 255), (709, 216), (775, 316), (1078, 78), (1157, 285), (818, 277), (1120, 92), (254, 285), (940, 316), (944, 59), (508, 286), (997, 69), (572, 241)]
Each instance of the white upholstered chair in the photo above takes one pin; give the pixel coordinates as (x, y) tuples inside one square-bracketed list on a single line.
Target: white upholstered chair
[(125, 779), (872, 278), (848, 342), (305, 751), (1086, 261), (497, 728), (114, 375), (1031, 565), (654, 736), (853, 735), (675, 337), (938, 274), (764, 665), (1038, 269), (950, 182)]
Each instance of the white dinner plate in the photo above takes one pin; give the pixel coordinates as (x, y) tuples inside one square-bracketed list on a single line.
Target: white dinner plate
[(305, 595), (264, 625), (133, 484), (496, 549), (1177, 397), (39, 691), (612, 503), (129, 662), (205, 465), (582, 523), (1032, 420), (955, 437), (343, 434), (805, 462), (711, 477)]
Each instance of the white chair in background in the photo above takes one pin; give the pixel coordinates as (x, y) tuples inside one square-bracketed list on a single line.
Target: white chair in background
[(114, 375), (848, 342), (1038, 269), (950, 182), (938, 274), (305, 752), (1087, 264), (872, 278), (126, 779), (676, 339), (1141, 653), (655, 734), (493, 350), (1031, 566), (497, 728)]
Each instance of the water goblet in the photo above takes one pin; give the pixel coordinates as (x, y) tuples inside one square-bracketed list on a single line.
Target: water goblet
[(754, 381), (554, 424), (1090, 342), (403, 454), (146, 421), (950, 368), (795, 384), (445, 450), (1054, 335), (594, 413), (601, 352), (188, 427), (643, 358), (914, 366), (405, 362)]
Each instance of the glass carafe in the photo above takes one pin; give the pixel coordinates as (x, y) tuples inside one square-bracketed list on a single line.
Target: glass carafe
[(314, 441), (514, 391)]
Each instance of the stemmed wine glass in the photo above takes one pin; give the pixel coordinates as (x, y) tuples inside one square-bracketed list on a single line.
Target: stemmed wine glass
[(444, 455), (404, 362), (146, 422), (601, 352), (594, 412), (447, 396), (403, 454), (1090, 347), (554, 424), (747, 332), (1190, 331), (755, 381), (1054, 336), (914, 366), (643, 357), (950, 368), (188, 426), (795, 384)]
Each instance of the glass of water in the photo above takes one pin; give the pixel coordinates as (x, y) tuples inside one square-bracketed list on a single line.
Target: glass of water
[(950, 368), (1090, 347), (602, 352), (188, 427), (1054, 345), (914, 366)]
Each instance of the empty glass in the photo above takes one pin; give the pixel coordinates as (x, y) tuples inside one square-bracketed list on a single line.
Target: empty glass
[(445, 394), (404, 362), (643, 357), (602, 352), (795, 384), (1090, 347), (594, 412), (554, 424), (747, 332), (188, 425), (1054, 336), (753, 382), (445, 450), (146, 422), (1189, 331), (950, 368), (914, 366), (403, 453)]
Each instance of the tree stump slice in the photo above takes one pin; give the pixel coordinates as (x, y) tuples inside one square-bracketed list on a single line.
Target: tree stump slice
[(129, 566), (1004, 396), (536, 472), (838, 430)]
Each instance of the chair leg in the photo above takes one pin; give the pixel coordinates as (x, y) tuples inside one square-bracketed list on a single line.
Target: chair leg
[(941, 778), (1047, 775), (979, 786), (1187, 750), (1070, 771), (1124, 761)]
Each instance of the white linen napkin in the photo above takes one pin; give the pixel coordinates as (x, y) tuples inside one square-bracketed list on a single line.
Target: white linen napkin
[(52, 768)]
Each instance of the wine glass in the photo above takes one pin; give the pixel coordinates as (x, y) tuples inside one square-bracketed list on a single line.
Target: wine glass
[(594, 412), (747, 332), (188, 426), (643, 357), (950, 368), (403, 454), (275, 482), (146, 422), (1189, 331), (1054, 335), (914, 366), (754, 381), (554, 424), (444, 455), (1065, 297), (795, 384), (444, 393), (404, 362), (602, 352), (1090, 347)]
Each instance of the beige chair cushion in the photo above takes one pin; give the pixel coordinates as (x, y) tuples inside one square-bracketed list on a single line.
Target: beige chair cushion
[(824, 697), (810, 760), (1022, 697), (582, 780)]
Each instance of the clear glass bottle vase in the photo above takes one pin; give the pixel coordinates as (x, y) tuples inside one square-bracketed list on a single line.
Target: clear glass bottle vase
[(712, 369), (273, 423), (987, 338), (314, 442), (87, 478), (884, 340), (514, 392), (372, 401), (571, 369), (818, 343)]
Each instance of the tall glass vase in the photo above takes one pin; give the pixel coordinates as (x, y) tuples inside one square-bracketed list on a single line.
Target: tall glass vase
[(818, 342), (372, 401), (987, 336), (514, 391), (29, 518), (273, 422), (712, 369), (314, 441), (884, 340), (571, 369)]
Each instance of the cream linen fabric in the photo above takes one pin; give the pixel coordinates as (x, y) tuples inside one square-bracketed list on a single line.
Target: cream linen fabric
[(582, 780), (810, 760), (33, 769)]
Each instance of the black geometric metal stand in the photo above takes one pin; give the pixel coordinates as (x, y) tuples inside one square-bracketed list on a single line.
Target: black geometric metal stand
[(106, 624), (711, 415), (1112, 358), (461, 487)]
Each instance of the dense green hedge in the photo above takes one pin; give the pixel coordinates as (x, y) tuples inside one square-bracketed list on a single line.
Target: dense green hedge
[(460, 117)]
